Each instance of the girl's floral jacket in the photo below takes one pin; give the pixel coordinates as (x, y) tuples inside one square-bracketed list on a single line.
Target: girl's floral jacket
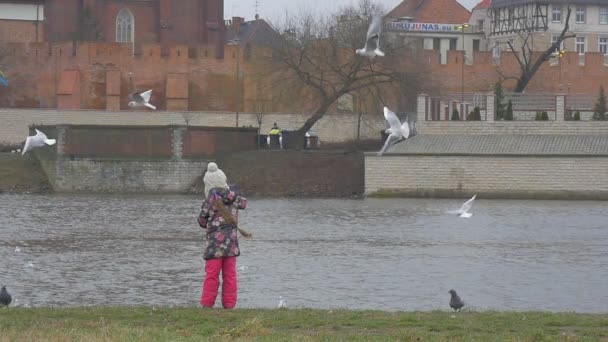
[(222, 238)]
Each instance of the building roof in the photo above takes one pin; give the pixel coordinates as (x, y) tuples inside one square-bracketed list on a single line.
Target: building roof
[(579, 145), (506, 3), (431, 11), (483, 4), (254, 32)]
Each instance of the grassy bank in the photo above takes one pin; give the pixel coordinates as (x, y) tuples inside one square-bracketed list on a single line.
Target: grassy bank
[(21, 174), (195, 324)]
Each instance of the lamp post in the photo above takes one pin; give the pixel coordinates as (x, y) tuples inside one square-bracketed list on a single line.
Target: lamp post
[(235, 42), (464, 55), (559, 54)]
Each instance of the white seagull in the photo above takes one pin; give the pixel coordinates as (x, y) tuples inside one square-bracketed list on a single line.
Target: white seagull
[(141, 99), (37, 140), (282, 303), (372, 43), (396, 132), (464, 210)]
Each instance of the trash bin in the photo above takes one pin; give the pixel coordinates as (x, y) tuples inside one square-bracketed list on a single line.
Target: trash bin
[(263, 142), (274, 142), (312, 140), (287, 137)]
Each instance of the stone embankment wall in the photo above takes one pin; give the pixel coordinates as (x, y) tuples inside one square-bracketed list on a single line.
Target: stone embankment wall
[(331, 128), (491, 176)]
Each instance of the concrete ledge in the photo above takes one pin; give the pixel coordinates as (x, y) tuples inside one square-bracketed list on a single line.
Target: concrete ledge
[(495, 194)]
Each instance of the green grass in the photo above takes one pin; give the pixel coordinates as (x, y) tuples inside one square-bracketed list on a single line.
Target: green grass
[(196, 324)]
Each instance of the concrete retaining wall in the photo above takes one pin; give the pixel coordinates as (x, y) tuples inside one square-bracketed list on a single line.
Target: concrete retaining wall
[(550, 177), (331, 128)]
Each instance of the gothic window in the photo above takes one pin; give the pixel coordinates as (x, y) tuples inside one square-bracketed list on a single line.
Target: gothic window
[(124, 26)]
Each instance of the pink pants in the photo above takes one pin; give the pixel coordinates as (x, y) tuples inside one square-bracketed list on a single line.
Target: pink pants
[(212, 282)]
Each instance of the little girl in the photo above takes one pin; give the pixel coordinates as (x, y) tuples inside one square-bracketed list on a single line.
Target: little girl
[(218, 217)]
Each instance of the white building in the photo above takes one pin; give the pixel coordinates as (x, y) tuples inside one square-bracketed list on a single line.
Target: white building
[(588, 21)]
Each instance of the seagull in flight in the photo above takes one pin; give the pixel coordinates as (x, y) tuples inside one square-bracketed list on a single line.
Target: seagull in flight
[(464, 210), (372, 43), (37, 140), (397, 132), (141, 99)]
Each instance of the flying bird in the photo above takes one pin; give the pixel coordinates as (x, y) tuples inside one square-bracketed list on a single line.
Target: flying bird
[(5, 297), (37, 140), (397, 132), (372, 43), (141, 99), (464, 209), (455, 302)]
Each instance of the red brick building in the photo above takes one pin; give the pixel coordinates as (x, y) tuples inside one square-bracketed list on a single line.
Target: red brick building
[(167, 22)]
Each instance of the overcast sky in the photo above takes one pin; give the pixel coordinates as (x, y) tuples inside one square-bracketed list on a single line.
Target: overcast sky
[(273, 9)]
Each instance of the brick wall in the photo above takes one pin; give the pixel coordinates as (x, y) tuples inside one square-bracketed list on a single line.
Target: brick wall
[(295, 173), (212, 83), (488, 176)]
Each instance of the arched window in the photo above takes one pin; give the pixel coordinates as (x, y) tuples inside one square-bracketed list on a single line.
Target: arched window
[(125, 26)]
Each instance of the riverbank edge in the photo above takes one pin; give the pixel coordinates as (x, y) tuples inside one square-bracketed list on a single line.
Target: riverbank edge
[(190, 323), (495, 194)]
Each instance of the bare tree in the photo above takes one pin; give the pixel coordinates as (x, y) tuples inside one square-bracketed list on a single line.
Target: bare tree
[(530, 61), (317, 55)]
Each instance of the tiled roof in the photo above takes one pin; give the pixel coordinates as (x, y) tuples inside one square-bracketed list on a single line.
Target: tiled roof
[(431, 11), (482, 5), (254, 32), (504, 145)]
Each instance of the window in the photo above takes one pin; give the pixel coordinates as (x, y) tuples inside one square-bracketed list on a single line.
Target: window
[(480, 23), (603, 15), (453, 44), (554, 39), (436, 43), (496, 50), (580, 15), (475, 44), (580, 45), (124, 26), (602, 45), (556, 14)]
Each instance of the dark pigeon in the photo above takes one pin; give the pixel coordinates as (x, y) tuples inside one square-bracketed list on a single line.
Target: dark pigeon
[(455, 302), (5, 298)]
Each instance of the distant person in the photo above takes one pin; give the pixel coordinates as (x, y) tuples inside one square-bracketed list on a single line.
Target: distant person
[(275, 130), (214, 178), (219, 218), (274, 137)]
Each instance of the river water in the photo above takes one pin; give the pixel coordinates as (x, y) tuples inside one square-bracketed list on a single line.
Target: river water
[(387, 254)]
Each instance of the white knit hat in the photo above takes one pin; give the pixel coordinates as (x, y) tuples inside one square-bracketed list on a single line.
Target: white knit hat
[(214, 178)]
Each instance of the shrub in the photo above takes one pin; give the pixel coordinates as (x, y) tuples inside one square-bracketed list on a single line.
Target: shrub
[(474, 115), (499, 97), (599, 111), (455, 115), (577, 116), (542, 116), (509, 111)]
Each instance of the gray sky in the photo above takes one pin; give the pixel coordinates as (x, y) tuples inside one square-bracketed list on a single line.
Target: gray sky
[(273, 9)]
